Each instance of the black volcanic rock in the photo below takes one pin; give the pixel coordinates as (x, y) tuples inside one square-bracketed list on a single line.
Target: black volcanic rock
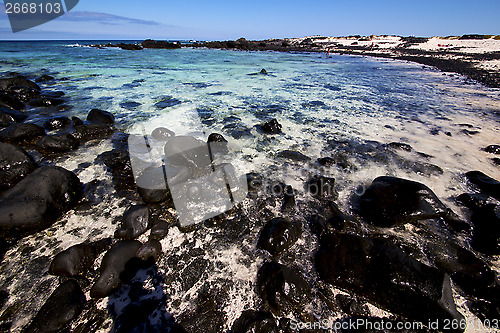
[(278, 235), (135, 222), (18, 81), (271, 127), (493, 149), (388, 277), (15, 164), (151, 44), (485, 183), (100, 117), (56, 123), (21, 133), (9, 101), (89, 132), (38, 200), (59, 143), (255, 322)]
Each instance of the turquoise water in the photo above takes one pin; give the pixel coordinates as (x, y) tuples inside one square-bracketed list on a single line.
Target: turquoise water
[(326, 106)]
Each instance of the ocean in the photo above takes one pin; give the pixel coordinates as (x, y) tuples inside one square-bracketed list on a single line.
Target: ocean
[(349, 106)]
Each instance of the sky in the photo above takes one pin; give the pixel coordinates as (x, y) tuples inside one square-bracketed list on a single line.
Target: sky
[(261, 19)]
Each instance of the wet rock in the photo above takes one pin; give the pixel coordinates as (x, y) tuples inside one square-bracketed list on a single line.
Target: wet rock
[(135, 222), (399, 146), (76, 121), (322, 187), (493, 149), (338, 159), (496, 161), (162, 134), (77, 259), (56, 123), (18, 81), (21, 133), (9, 101), (24, 94), (118, 161), (351, 305), (63, 306), (100, 117), (486, 234), (112, 266), (391, 201), (15, 164), (44, 78), (130, 105), (278, 235), (252, 321), (187, 151), (288, 199), (293, 155), (329, 219), (254, 184), (485, 183), (45, 102), (193, 273), (167, 102), (151, 250), (384, 274), (217, 144), (8, 116), (159, 230), (282, 289), (38, 200), (92, 132), (59, 143), (271, 127)]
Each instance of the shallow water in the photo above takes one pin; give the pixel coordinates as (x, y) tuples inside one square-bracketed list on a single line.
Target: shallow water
[(325, 105)]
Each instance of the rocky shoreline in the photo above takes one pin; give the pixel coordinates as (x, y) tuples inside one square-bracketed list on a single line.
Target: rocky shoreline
[(355, 259)]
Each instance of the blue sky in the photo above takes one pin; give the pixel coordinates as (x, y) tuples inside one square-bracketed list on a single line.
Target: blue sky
[(259, 19)]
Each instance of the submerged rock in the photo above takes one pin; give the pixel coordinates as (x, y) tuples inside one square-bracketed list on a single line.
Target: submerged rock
[(38, 200), (21, 133), (44, 78), (282, 289), (15, 164), (100, 117), (59, 143), (113, 264), (271, 127), (135, 222), (77, 259), (485, 183), (384, 274), (391, 201), (63, 306), (278, 235), (293, 155)]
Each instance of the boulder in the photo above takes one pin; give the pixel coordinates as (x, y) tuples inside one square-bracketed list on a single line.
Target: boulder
[(21, 133), (278, 235), (63, 306), (59, 143), (92, 132), (15, 164), (44, 78), (385, 275), (8, 116), (322, 187), (187, 151), (135, 222), (162, 134), (485, 183), (18, 81), (56, 123), (282, 289), (271, 127), (24, 94), (293, 155), (151, 250), (45, 102), (38, 200), (159, 230), (9, 101), (77, 259), (113, 265), (391, 201), (100, 117)]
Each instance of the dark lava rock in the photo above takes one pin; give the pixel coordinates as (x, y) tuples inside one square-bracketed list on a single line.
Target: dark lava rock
[(254, 184), (159, 230), (45, 102), (351, 305), (161, 44), (21, 133), (59, 143), (278, 235), (44, 78), (293, 155), (76, 121), (24, 94), (486, 234), (496, 161), (11, 102), (38, 200), (15, 164), (167, 102), (130, 105), (322, 187), (493, 149), (112, 266), (63, 306), (288, 199), (77, 259), (338, 160), (118, 160), (193, 273), (162, 134), (271, 127), (391, 201), (388, 277), (135, 222), (150, 250), (8, 116), (252, 321), (485, 183), (400, 146), (187, 151), (56, 123), (18, 81), (329, 219), (92, 132), (283, 289), (100, 117), (217, 145)]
